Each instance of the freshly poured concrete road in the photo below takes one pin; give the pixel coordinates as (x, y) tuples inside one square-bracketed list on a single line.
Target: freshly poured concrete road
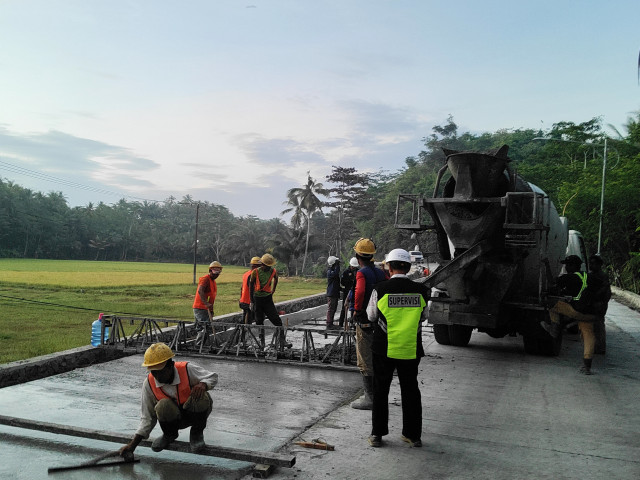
[(489, 410), (257, 407)]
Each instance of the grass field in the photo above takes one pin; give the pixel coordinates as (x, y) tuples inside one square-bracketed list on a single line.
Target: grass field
[(48, 306)]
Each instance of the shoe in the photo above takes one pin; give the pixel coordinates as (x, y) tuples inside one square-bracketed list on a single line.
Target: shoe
[(412, 443), (162, 442), (196, 441), (586, 366), (552, 329), (375, 440)]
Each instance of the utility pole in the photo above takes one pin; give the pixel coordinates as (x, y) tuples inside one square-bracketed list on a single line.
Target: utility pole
[(195, 244)]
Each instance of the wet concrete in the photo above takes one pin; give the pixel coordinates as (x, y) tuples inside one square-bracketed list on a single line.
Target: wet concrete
[(258, 407)]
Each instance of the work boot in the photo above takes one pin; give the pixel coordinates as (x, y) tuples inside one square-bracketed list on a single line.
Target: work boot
[(366, 402), (586, 366), (162, 442), (412, 443), (196, 440), (552, 328), (375, 440)]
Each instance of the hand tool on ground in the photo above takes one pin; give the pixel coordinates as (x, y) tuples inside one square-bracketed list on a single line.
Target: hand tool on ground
[(93, 463), (317, 444)]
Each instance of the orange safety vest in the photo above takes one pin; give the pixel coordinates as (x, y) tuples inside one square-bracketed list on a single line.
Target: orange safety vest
[(213, 288), (183, 389), (267, 286), (245, 291)]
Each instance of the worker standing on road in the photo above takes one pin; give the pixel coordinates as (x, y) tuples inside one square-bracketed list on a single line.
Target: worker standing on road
[(333, 289), (175, 395), (366, 278), (263, 282), (580, 287), (205, 298), (245, 292), (347, 280), (600, 303), (397, 308)]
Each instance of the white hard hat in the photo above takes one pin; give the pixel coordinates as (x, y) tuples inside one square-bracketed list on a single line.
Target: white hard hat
[(399, 255), (354, 262), (331, 260)]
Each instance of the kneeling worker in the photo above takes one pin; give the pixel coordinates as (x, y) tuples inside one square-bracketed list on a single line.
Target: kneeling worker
[(174, 394)]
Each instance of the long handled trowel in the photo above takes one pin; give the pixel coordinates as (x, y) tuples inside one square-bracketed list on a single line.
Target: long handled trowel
[(97, 462)]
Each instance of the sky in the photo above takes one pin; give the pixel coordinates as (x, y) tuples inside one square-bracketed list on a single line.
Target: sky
[(235, 102)]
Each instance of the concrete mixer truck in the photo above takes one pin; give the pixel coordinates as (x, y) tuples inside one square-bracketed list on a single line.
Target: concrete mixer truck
[(500, 240)]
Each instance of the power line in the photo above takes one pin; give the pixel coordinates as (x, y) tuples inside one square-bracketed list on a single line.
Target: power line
[(70, 307), (50, 178)]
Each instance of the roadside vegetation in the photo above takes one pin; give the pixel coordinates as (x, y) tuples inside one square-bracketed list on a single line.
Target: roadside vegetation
[(48, 306), (328, 215)]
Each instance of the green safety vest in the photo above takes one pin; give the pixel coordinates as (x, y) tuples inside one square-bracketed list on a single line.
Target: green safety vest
[(402, 312)]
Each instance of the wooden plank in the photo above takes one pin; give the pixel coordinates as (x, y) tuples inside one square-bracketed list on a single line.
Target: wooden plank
[(267, 458)]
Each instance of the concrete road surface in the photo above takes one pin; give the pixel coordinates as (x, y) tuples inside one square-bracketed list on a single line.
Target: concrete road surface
[(489, 410), (492, 412)]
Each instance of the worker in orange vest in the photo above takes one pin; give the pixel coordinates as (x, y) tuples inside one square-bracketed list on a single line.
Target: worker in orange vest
[(263, 282), (175, 394), (204, 299), (245, 292)]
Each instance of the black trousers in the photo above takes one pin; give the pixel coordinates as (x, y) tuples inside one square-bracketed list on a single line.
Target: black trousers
[(266, 307), (383, 368)]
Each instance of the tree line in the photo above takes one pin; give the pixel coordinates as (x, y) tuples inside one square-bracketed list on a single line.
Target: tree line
[(328, 216)]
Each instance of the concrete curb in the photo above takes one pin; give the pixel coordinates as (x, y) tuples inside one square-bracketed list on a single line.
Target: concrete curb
[(52, 364), (630, 299), (46, 365)]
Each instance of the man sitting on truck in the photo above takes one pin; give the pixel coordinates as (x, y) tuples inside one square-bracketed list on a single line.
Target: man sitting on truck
[(580, 287)]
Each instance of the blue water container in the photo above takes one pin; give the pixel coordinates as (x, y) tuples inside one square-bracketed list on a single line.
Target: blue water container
[(96, 332)]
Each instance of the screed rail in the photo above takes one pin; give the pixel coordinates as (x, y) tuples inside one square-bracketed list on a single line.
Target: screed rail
[(260, 342), (267, 458)]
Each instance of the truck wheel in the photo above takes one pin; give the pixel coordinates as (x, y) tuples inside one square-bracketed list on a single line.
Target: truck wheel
[(441, 334), (459, 335), (551, 346), (531, 345)]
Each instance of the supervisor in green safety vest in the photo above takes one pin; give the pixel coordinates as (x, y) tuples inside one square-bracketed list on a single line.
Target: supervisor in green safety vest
[(397, 310)]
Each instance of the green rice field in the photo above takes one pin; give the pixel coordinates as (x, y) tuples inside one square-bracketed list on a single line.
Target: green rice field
[(48, 306)]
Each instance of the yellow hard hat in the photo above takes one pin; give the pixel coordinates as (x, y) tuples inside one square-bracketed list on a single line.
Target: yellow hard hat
[(365, 246), (156, 354), (255, 261), (215, 264), (268, 260)]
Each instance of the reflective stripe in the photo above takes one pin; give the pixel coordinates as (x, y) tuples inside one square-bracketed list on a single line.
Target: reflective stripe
[(583, 277)]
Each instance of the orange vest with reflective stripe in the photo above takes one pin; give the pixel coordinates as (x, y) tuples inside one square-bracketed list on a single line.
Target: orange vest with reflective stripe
[(183, 389), (267, 286), (245, 291)]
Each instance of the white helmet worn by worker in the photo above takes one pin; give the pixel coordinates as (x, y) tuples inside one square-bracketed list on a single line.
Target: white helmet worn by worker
[(354, 262), (331, 260), (399, 255)]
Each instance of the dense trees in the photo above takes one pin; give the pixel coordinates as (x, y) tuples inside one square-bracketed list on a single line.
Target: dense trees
[(566, 161)]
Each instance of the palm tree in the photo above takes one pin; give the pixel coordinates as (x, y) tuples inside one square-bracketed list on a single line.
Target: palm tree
[(304, 202)]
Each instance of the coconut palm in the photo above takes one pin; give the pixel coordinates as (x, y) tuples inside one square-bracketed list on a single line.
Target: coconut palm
[(304, 202)]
